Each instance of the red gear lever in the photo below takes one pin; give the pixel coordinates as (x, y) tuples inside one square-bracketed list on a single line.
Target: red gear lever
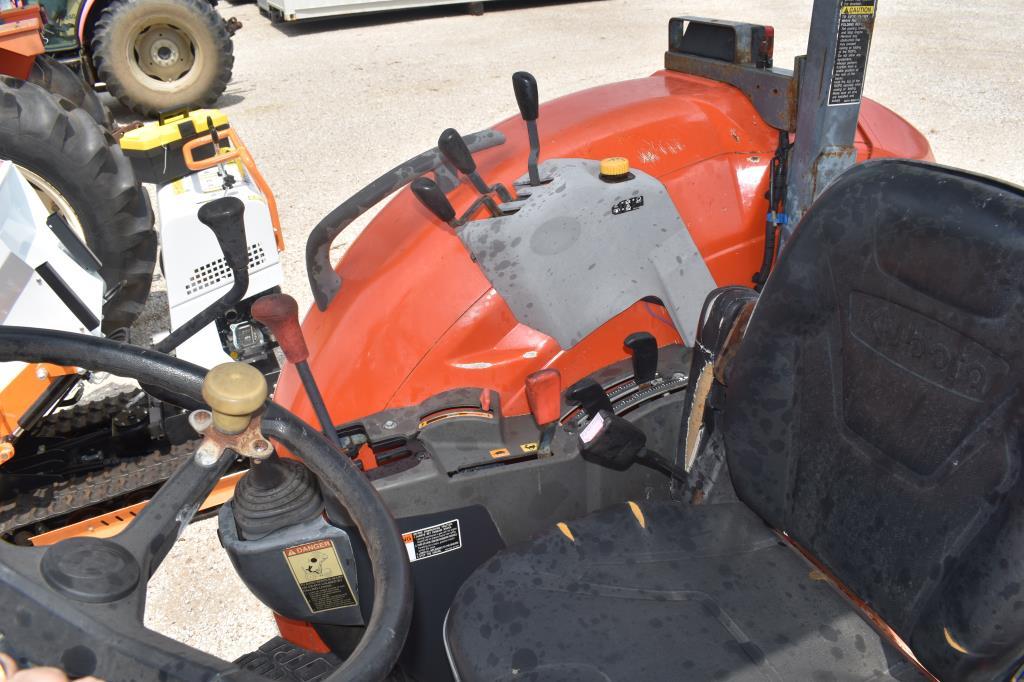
[(280, 314), (544, 395)]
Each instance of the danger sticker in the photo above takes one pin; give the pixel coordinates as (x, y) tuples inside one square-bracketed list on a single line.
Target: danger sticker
[(320, 576), (427, 542)]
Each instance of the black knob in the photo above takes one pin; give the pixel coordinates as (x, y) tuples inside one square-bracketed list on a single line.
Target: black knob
[(225, 216), (455, 150), (431, 196), (589, 395), (525, 86), (645, 356)]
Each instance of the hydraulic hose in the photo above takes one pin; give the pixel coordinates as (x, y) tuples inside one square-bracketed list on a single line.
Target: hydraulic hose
[(390, 618)]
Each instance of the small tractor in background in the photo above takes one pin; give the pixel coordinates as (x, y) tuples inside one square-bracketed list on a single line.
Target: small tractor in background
[(152, 55)]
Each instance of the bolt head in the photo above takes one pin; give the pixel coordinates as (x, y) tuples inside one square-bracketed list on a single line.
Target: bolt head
[(390, 424), (42, 373), (200, 420), (207, 454), (261, 448)]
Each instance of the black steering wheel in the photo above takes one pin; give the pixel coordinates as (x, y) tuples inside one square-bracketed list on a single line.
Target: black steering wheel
[(79, 604)]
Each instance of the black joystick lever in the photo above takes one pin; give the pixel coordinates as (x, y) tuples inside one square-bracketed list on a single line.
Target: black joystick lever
[(589, 395), (644, 348), (225, 217), (455, 150), (617, 443), (431, 196), (525, 86)]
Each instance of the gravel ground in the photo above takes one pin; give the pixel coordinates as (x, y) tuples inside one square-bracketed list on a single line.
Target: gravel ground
[(325, 107)]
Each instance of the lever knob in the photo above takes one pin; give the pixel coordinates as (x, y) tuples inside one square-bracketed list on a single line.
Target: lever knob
[(225, 217), (234, 391), (431, 196), (525, 86), (644, 347), (589, 395), (544, 395), (454, 148), (280, 314)]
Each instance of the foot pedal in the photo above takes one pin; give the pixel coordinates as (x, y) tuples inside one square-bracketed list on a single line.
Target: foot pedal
[(279, 659)]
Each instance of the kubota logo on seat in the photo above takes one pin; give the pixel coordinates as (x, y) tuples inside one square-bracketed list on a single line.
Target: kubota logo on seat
[(924, 347)]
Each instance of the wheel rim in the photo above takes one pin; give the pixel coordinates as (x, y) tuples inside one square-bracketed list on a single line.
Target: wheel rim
[(163, 55), (53, 200)]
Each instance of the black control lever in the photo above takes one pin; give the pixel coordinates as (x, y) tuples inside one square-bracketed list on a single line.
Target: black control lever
[(644, 348), (525, 86), (455, 150), (589, 395), (431, 196), (617, 443), (225, 217)]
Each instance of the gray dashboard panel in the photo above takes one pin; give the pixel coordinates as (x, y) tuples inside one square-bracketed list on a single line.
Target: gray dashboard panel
[(581, 250)]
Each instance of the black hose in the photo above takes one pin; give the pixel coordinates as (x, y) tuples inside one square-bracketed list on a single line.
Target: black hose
[(389, 621)]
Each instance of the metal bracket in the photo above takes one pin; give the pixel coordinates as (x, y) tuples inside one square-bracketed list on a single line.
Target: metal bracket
[(249, 443)]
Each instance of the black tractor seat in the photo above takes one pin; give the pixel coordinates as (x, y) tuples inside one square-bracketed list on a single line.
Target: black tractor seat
[(873, 416), (661, 591)]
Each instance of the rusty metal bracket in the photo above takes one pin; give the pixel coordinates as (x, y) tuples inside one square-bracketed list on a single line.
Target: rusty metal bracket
[(249, 443), (773, 92)]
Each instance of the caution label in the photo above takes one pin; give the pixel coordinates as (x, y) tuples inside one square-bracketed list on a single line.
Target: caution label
[(427, 542), (320, 576), (853, 41)]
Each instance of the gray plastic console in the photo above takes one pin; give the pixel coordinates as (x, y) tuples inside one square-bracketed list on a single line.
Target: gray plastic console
[(579, 250)]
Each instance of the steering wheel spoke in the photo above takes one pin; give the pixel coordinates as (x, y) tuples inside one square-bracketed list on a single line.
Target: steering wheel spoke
[(150, 536)]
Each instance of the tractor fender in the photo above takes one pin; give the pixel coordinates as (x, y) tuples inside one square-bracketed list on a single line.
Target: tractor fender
[(416, 316)]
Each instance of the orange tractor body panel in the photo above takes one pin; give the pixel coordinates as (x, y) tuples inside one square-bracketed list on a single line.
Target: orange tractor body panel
[(20, 42), (444, 327)]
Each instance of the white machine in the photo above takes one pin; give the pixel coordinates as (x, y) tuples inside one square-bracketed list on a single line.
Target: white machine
[(294, 10), (196, 273), (48, 277)]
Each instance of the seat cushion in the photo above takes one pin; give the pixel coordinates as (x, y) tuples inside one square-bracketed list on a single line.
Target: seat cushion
[(661, 591)]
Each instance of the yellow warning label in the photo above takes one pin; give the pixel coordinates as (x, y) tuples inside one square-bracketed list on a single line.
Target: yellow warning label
[(857, 9), (178, 186), (499, 452), (530, 447), (320, 576)]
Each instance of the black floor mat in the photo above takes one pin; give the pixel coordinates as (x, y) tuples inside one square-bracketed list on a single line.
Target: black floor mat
[(279, 659)]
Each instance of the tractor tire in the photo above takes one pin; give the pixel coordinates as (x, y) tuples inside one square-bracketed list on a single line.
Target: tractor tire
[(51, 75), (79, 169), (162, 55)]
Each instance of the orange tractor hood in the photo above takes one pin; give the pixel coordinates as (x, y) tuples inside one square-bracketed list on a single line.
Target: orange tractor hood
[(415, 315)]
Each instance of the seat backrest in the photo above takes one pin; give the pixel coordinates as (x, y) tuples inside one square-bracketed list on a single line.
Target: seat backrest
[(874, 409)]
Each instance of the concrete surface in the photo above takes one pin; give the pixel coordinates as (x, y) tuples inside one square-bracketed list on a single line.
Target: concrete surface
[(325, 107)]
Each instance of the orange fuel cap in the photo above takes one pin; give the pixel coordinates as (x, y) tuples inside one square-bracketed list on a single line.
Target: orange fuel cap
[(544, 395)]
